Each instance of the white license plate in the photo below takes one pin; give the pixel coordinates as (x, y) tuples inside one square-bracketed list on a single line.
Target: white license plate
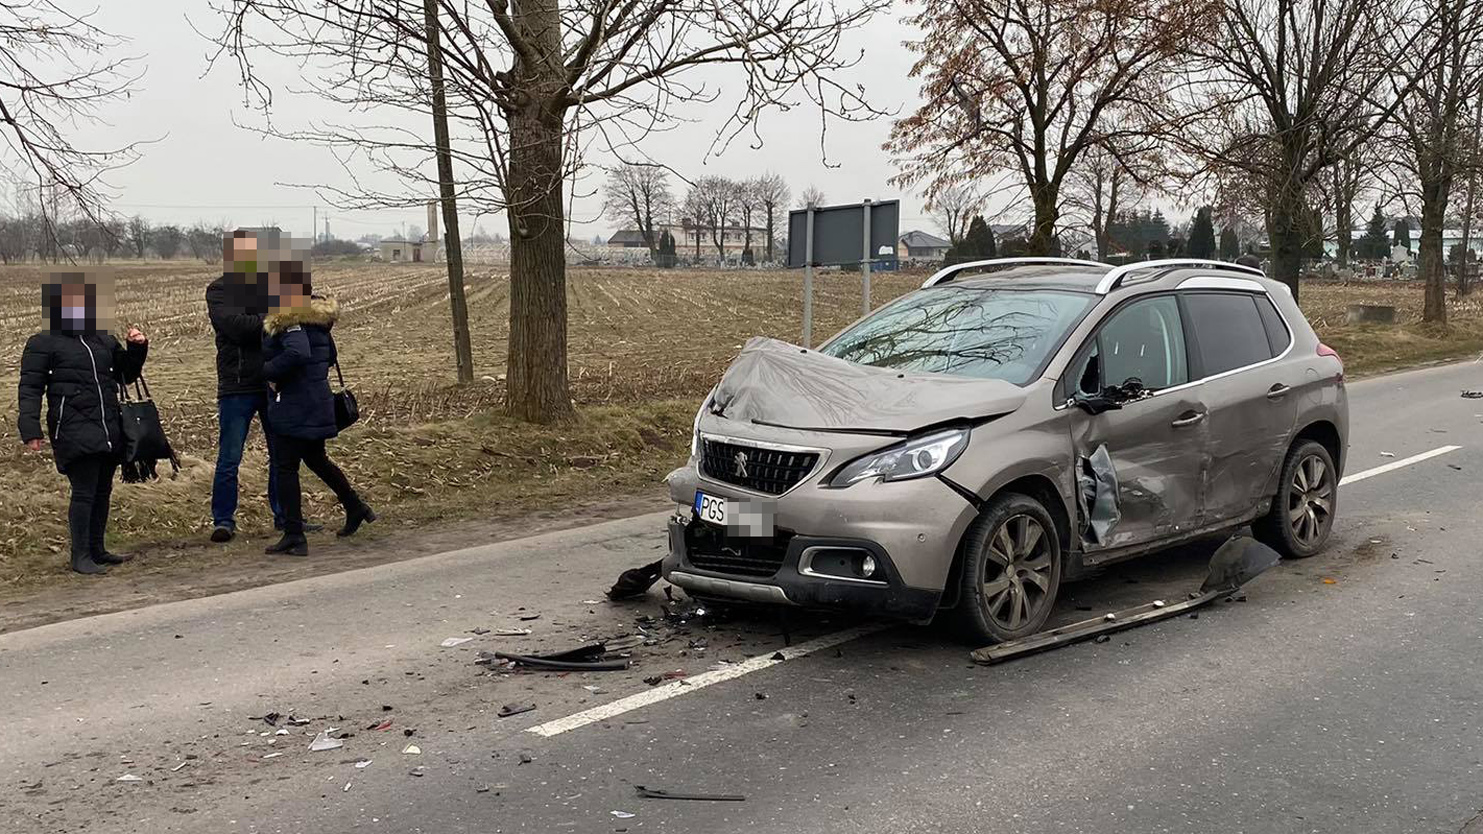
[(710, 509)]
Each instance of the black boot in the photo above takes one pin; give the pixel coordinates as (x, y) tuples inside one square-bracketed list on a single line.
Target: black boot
[(86, 565), (362, 514), (292, 544), (106, 558)]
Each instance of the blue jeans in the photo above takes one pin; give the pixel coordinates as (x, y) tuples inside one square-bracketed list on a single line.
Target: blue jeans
[(235, 412)]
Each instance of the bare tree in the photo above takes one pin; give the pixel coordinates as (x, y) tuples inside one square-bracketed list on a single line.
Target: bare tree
[(57, 70), (1028, 86), (695, 212), (138, 233), (167, 240), (812, 197), (1347, 181), (1435, 85), (748, 201), (720, 202), (531, 86), (636, 195), (953, 207), (204, 241), (773, 196), (1287, 88)]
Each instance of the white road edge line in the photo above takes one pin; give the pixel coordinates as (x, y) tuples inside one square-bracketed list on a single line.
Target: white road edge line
[(756, 664), (1391, 467), (697, 682)]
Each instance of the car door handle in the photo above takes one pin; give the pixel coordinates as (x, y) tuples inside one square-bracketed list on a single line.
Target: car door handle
[(1278, 391), (1189, 418)]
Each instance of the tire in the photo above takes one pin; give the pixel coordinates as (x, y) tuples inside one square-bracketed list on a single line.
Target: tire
[(1006, 596), (1302, 514)]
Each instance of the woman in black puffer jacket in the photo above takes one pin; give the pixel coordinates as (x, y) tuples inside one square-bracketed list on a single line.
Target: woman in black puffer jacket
[(298, 351), (79, 368)]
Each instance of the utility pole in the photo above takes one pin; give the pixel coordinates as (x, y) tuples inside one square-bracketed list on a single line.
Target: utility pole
[(463, 349), (314, 224)]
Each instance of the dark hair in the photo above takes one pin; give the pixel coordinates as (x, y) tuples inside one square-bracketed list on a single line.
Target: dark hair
[(295, 272)]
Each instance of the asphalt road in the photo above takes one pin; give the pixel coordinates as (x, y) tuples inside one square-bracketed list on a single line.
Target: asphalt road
[(1342, 696)]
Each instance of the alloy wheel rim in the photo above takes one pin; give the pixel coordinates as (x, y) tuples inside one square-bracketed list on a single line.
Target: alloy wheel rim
[(1310, 500), (1017, 582)]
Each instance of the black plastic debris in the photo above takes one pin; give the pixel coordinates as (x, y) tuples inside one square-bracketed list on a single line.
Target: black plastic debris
[(588, 658), (271, 718), (1101, 638), (635, 582), (1472, 395), (652, 793), (515, 709)]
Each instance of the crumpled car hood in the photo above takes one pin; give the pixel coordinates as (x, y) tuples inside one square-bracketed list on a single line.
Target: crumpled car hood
[(776, 383)]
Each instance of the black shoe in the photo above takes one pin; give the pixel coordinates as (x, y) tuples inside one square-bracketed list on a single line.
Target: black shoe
[(355, 518), (106, 558), (289, 545), (308, 527), (222, 534), (88, 566)]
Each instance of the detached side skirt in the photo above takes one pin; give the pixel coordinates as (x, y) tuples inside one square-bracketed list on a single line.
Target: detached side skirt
[(1236, 562), (1087, 629)]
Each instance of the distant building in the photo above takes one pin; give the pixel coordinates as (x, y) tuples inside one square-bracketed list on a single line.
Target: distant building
[(402, 251), (733, 239), (630, 239), (920, 246)]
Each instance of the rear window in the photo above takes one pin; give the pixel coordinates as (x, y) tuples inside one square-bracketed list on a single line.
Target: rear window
[(964, 331), (1228, 329), (1277, 335)]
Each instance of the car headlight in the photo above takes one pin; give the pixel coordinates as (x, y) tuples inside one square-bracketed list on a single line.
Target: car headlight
[(915, 458), (695, 427)]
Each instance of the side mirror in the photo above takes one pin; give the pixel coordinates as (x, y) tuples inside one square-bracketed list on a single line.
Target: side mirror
[(1095, 403)]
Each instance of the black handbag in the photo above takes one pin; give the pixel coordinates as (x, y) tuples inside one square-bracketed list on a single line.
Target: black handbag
[(145, 442), (347, 412)]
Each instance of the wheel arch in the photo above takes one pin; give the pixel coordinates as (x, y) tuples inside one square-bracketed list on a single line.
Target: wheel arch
[(1325, 434), (1036, 485)]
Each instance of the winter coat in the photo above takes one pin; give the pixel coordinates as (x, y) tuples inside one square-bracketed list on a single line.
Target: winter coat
[(297, 354), (80, 374), (236, 311)]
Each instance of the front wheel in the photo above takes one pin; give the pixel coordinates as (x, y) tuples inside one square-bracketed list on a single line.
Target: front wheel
[(1302, 514), (1011, 571)]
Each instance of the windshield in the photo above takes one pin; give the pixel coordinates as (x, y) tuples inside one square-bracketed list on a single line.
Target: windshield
[(964, 331)]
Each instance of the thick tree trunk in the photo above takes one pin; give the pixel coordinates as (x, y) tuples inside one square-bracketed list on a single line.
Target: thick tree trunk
[(1285, 232), (537, 372), (1430, 259), (1042, 235)]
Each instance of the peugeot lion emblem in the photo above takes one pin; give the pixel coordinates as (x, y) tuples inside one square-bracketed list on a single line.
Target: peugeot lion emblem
[(741, 464)]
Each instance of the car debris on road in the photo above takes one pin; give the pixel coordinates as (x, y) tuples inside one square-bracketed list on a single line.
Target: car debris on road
[(653, 793)]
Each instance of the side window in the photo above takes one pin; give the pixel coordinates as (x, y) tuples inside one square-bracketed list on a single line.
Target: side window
[(1144, 342), (1228, 329), (1277, 335)]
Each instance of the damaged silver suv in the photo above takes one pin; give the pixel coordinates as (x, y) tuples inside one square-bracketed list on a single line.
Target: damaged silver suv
[(973, 444)]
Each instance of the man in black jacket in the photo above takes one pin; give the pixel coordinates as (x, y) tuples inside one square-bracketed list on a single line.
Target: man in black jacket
[(237, 302)]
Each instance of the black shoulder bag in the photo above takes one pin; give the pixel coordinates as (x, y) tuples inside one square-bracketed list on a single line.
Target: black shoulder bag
[(144, 435), (347, 412)]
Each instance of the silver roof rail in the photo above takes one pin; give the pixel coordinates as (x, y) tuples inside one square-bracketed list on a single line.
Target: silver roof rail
[(1114, 279), (946, 273)]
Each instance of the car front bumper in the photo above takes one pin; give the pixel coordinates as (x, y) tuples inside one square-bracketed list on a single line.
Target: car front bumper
[(797, 583)]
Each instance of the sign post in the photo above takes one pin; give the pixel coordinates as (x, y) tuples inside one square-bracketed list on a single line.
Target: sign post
[(865, 262), (836, 236)]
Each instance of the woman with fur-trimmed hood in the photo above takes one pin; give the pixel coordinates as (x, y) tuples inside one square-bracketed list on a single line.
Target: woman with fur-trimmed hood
[(298, 351)]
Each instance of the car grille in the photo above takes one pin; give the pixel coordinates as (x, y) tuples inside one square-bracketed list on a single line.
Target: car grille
[(709, 548), (769, 471)]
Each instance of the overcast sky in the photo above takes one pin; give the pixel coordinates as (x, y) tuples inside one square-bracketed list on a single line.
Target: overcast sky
[(205, 167)]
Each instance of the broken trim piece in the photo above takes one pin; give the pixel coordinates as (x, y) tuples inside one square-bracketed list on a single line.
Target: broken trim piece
[(1087, 629), (1096, 495)]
